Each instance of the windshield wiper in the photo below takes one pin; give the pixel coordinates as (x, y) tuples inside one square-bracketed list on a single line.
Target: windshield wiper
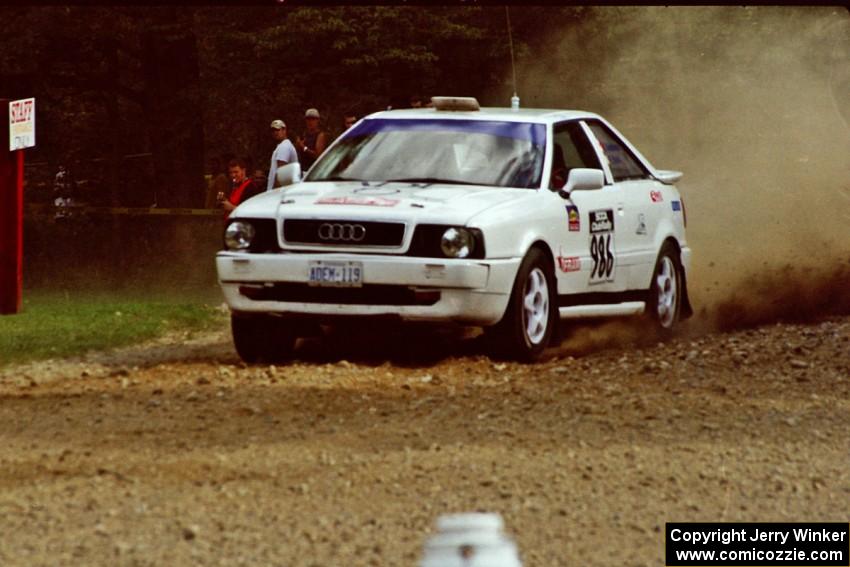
[(430, 180)]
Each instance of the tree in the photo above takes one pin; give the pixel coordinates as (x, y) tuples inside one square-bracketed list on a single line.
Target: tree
[(182, 82), (111, 82)]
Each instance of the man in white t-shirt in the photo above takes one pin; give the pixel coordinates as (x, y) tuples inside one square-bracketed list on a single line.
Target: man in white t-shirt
[(283, 154)]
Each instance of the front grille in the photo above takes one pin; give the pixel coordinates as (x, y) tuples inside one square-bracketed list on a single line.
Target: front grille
[(343, 232), (373, 294)]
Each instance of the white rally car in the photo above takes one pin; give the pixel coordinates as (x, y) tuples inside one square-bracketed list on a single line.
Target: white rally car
[(507, 219)]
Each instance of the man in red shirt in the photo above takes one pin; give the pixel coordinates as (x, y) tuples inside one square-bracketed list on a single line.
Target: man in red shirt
[(243, 187)]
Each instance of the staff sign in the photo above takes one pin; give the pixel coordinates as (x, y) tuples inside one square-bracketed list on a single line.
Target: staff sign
[(21, 124)]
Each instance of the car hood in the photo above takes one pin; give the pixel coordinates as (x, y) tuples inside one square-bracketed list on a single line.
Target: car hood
[(424, 203)]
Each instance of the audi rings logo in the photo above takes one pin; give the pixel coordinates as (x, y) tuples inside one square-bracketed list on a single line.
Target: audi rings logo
[(342, 232)]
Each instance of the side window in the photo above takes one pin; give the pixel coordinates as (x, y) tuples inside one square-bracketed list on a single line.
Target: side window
[(571, 149), (623, 164)]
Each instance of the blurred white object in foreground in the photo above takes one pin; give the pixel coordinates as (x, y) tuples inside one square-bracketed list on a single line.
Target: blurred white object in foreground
[(470, 540)]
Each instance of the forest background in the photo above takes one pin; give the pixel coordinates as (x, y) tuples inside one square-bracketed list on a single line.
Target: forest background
[(752, 103), (174, 86)]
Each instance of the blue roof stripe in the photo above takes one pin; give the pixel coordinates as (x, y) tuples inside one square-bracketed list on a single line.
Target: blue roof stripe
[(533, 132)]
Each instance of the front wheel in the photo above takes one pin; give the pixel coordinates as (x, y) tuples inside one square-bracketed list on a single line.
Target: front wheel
[(262, 338), (526, 328), (664, 300)]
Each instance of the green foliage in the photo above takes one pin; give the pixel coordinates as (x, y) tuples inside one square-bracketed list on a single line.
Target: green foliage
[(54, 325), (357, 59), (105, 90)]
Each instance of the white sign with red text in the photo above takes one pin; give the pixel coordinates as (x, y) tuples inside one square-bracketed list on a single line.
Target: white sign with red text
[(21, 124)]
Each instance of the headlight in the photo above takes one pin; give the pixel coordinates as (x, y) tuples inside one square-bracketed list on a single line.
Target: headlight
[(238, 235), (457, 243)]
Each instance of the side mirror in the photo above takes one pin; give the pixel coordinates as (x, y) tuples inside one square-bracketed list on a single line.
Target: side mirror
[(583, 179), (287, 175)]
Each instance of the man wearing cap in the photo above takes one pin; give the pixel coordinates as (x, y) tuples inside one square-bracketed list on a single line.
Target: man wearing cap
[(283, 154), (314, 141)]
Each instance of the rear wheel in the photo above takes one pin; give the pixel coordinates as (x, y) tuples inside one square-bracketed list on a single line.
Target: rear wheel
[(262, 338), (526, 329), (663, 306)]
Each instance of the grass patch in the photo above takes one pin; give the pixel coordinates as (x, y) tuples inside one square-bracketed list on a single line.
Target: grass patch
[(65, 324)]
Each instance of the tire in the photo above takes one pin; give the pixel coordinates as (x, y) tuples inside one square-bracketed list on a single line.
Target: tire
[(530, 319), (664, 297), (262, 338)]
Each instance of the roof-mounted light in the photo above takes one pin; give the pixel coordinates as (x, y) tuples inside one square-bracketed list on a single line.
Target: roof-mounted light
[(455, 103)]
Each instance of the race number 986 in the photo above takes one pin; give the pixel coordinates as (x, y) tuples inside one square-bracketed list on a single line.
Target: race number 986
[(603, 258), (602, 245)]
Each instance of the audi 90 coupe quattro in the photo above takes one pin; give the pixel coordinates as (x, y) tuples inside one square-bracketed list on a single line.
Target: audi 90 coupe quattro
[(508, 219)]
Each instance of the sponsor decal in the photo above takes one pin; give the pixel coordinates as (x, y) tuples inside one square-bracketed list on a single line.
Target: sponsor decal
[(602, 246), (656, 196), (677, 205), (641, 227), (601, 221), (573, 218), (569, 263), (365, 201)]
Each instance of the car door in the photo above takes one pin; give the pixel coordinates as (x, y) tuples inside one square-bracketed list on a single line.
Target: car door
[(587, 256), (639, 205)]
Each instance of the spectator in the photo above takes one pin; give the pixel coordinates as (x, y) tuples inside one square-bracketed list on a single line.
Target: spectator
[(314, 141), (218, 183), (243, 187), (64, 191), (283, 154), (348, 120), (259, 178)]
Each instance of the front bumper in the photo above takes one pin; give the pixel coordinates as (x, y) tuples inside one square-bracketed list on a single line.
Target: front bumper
[(424, 289)]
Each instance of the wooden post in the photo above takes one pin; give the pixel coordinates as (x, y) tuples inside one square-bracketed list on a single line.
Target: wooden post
[(11, 219)]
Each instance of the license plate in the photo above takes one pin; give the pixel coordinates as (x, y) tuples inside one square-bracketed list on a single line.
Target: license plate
[(336, 274)]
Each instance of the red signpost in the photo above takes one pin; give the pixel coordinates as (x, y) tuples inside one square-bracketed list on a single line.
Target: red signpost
[(17, 126)]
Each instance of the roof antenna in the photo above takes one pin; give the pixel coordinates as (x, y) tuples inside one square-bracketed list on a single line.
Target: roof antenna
[(515, 98)]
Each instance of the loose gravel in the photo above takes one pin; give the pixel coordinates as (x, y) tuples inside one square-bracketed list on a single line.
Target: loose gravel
[(176, 453)]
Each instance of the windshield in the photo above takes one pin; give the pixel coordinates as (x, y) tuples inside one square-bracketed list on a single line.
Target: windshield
[(477, 152)]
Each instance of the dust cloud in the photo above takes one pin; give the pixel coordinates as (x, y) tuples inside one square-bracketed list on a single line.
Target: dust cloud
[(753, 104), (788, 295)]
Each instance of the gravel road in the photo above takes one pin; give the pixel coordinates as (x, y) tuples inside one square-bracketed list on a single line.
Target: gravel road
[(175, 453)]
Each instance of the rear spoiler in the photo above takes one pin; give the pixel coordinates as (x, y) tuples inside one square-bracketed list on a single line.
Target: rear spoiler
[(668, 176)]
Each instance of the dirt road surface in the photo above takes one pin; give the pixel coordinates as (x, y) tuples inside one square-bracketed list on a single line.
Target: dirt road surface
[(175, 453)]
